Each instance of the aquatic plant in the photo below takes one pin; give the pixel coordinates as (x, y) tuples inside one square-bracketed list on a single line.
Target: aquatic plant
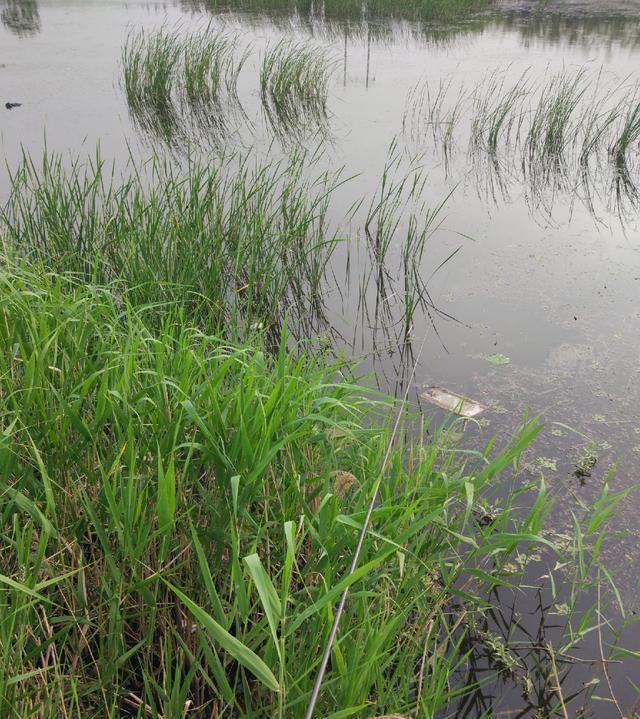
[(232, 240), (168, 73), (426, 10), (21, 17), (212, 64), (628, 135), (434, 111), (151, 62), (555, 122), (562, 132), (178, 514), (499, 112), (294, 87)]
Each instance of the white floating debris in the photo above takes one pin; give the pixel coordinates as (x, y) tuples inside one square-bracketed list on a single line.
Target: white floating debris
[(452, 402)]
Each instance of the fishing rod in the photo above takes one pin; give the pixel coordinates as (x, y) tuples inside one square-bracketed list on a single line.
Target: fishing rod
[(363, 533)]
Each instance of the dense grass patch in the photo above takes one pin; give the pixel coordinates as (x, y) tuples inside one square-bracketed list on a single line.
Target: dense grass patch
[(182, 483), (231, 241), (178, 84), (150, 63), (178, 514)]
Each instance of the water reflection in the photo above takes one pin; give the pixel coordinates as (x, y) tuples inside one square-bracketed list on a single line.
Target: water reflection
[(555, 30), (558, 26), (21, 17)]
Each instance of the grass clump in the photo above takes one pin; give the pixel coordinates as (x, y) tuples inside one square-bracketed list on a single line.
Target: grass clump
[(556, 121), (175, 81), (566, 132), (426, 10), (232, 241), (151, 63), (212, 64), (294, 87), (624, 149), (178, 513), (21, 17)]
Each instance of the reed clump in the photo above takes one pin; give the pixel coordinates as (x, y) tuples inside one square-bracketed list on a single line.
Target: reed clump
[(566, 131), (176, 82), (294, 87), (151, 62), (425, 10), (212, 63)]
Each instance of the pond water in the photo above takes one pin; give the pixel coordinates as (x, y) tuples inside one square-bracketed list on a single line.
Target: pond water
[(545, 279)]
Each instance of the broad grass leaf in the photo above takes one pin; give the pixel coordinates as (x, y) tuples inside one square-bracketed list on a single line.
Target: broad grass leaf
[(239, 651), (267, 592)]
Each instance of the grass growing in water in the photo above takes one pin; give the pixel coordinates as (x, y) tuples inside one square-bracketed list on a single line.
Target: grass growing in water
[(151, 62), (564, 132), (168, 71), (212, 64), (178, 513), (231, 241), (428, 10), (294, 87)]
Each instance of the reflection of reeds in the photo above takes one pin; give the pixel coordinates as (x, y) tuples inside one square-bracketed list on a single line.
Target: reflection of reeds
[(21, 17), (430, 10), (294, 87)]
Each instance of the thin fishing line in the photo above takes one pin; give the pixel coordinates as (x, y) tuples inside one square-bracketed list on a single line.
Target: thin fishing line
[(356, 556)]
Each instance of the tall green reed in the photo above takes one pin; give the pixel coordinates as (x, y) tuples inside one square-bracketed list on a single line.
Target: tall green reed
[(212, 64), (151, 62), (177, 83)]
